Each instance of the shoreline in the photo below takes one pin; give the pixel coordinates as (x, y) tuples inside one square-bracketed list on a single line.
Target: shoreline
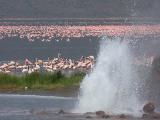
[(48, 83), (60, 92), (81, 21)]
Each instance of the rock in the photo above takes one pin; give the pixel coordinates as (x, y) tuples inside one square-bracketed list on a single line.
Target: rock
[(89, 117), (149, 108), (105, 116), (145, 115), (102, 114), (151, 116), (61, 112), (156, 115), (123, 116), (156, 65)]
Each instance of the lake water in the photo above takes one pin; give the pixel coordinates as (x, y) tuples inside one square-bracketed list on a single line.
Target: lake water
[(22, 107), (37, 107), (70, 41), (16, 49)]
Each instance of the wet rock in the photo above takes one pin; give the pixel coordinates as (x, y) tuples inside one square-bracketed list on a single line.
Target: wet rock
[(61, 112), (102, 114), (145, 115), (149, 108), (156, 65), (89, 117), (105, 116), (149, 111), (123, 116), (156, 115), (151, 116)]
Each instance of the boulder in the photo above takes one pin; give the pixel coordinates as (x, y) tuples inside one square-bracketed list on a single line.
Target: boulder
[(102, 114), (156, 65), (99, 113), (149, 108), (89, 117), (61, 112), (123, 116)]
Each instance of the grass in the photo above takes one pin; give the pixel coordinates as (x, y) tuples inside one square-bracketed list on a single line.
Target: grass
[(39, 81)]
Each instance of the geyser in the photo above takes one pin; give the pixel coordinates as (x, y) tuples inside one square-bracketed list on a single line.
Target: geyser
[(113, 84)]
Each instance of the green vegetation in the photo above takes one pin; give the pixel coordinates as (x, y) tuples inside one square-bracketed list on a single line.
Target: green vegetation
[(39, 81)]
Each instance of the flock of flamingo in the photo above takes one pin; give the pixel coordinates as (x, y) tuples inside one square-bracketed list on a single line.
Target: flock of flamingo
[(49, 32), (84, 64), (50, 65)]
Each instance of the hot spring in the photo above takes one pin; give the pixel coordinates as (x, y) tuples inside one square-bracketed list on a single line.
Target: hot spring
[(113, 85)]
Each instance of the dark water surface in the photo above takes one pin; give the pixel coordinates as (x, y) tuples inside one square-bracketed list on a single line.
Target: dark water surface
[(36, 107), (14, 106), (19, 49)]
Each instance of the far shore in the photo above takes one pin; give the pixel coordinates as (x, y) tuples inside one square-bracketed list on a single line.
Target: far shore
[(80, 21)]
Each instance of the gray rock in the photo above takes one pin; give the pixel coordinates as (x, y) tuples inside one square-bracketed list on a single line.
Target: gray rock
[(102, 114), (123, 116), (89, 117), (151, 116), (61, 112), (149, 108)]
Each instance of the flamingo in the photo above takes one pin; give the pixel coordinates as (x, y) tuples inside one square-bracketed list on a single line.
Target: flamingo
[(37, 67), (7, 71), (11, 67), (30, 71), (49, 70), (4, 66), (25, 69), (12, 63)]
